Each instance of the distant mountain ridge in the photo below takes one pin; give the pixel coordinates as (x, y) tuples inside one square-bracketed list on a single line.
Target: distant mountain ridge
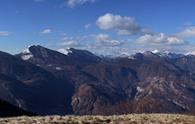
[(45, 81)]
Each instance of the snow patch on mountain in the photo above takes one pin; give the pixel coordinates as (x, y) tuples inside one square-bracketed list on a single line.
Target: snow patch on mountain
[(26, 51), (155, 51), (27, 57), (65, 51), (26, 54)]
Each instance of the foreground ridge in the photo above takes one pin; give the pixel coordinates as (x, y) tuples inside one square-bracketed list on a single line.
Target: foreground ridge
[(116, 119)]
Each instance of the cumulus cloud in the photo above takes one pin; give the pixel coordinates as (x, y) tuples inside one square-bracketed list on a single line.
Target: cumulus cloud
[(95, 39), (188, 31), (46, 31), (160, 38), (102, 37), (73, 3), (105, 39), (4, 33), (122, 25), (68, 42)]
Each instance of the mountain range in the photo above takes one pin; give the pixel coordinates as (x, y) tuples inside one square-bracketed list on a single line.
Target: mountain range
[(46, 82)]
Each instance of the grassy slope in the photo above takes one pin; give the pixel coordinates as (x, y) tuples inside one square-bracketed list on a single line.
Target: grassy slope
[(121, 119)]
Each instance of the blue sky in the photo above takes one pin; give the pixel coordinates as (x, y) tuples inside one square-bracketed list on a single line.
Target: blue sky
[(101, 26)]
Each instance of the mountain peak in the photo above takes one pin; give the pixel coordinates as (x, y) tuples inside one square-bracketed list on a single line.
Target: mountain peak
[(29, 48), (26, 54), (32, 51), (149, 53), (155, 51)]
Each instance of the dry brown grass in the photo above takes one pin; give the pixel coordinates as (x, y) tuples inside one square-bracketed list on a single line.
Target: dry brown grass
[(121, 119)]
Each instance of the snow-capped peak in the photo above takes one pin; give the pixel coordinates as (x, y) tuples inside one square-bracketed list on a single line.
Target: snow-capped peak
[(155, 51), (65, 51), (26, 54), (169, 54), (26, 51)]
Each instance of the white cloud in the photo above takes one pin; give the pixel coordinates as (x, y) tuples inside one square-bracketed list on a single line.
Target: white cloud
[(105, 39), (87, 26), (187, 32), (73, 3), (160, 38), (122, 25), (46, 31), (188, 49), (4, 33), (174, 40), (69, 43), (101, 44), (102, 37), (98, 39)]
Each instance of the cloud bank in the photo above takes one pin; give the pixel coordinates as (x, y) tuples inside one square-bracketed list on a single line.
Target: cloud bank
[(46, 31), (187, 32), (122, 35), (74, 3), (122, 25), (4, 33), (160, 38)]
